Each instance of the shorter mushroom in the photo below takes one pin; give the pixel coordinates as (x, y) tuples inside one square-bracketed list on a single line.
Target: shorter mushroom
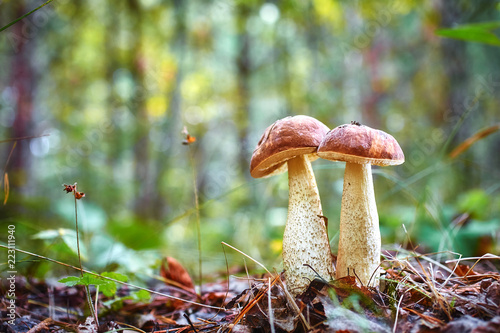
[(359, 241), (291, 143)]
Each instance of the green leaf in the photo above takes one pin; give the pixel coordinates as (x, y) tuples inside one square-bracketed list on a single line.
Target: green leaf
[(114, 304), (70, 281), (475, 202), (109, 289), (88, 280), (141, 296), (117, 276), (476, 32)]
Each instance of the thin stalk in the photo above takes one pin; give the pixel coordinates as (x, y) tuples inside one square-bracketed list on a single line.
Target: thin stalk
[(25, 15), (269, 306), (198, 222), (96, 300), (246, 255), (23, 138), (77, 236), (87, 289)]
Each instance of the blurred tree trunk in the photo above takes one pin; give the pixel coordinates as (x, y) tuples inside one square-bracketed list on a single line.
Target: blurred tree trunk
[(138, 105), (173, 124), (118, 137), (455, 64), (282, 70), (369, 112), (313, 44), (22, 82), (462, 98), (244, 68)]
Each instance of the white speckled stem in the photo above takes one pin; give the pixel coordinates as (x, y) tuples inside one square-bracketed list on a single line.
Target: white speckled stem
[(359, 240), (305, 240)]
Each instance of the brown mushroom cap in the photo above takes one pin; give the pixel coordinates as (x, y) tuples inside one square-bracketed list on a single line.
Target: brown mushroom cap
[(361, 144), (285, 139)]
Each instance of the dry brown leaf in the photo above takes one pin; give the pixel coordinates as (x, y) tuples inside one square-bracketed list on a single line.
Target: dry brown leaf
[(6, 188), (464, 271), (431, 322), (174, 274)]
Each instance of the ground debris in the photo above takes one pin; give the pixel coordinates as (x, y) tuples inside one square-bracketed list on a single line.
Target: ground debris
[(416, 295), (175, 274), (431, 297)]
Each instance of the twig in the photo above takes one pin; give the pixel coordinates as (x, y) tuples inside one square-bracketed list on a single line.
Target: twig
[(43, 325), (190, 322)]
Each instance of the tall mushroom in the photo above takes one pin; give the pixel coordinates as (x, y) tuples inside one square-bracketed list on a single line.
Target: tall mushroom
[(359, 241), (291, 143)]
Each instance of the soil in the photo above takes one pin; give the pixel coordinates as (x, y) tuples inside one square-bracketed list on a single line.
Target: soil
[(416, 294)]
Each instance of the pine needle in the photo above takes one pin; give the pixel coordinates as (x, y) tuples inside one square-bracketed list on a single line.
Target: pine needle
[(246, 255)]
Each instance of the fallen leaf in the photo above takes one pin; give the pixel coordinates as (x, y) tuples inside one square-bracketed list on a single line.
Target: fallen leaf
[(6, 187), (174, 274), (464, 271)]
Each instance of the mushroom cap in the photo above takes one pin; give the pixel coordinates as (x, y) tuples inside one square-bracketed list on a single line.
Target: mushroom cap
[(361, 144), (283, 140)]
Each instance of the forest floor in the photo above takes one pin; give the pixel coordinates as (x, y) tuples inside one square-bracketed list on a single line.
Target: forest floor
[(417, 294)]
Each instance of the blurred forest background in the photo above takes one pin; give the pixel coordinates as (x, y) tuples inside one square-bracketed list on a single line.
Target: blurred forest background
[(107, 87)]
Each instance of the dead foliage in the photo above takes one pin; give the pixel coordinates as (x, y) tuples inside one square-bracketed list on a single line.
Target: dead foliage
[(174, 274), (417, 294)]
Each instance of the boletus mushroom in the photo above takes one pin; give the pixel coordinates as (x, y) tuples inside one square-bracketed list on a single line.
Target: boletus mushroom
[(290, 144), (359, 240)]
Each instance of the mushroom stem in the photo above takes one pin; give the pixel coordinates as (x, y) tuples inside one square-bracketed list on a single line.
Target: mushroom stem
[(305, 240), (359, 240)]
